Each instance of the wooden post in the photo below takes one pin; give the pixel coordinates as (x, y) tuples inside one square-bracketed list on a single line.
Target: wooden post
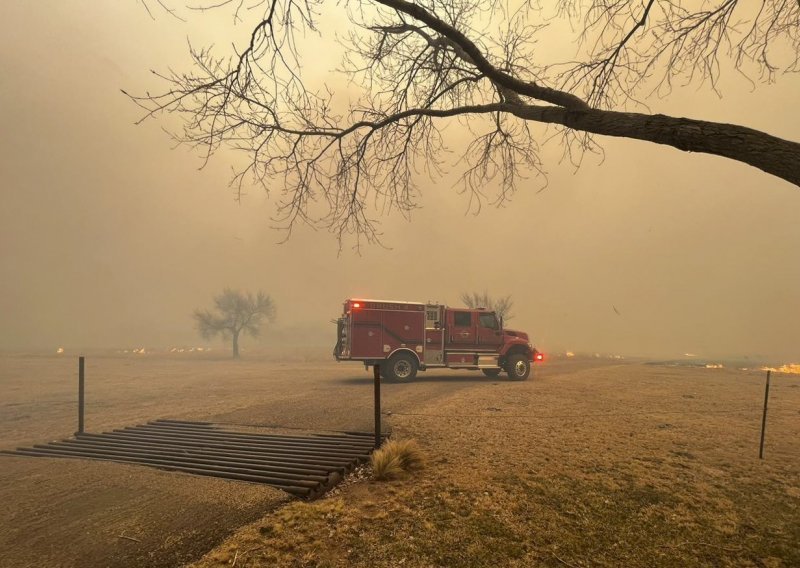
[(764, 420), (376, 374), (80, 394)]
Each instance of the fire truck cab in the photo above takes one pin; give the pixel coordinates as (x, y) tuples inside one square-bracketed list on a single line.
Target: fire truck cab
[(405, 337)]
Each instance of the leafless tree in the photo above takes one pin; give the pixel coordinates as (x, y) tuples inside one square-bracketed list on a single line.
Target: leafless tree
[(501, 306), (421, 64), (235, 312)]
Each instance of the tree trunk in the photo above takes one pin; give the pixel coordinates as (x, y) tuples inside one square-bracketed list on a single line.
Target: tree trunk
[(773, 155), (235, 344)]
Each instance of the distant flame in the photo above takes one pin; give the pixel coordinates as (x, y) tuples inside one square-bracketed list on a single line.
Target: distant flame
[(60, 350), (791, 368)]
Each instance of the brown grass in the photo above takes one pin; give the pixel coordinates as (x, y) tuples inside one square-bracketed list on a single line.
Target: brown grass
[(633, 465), (395, 459)]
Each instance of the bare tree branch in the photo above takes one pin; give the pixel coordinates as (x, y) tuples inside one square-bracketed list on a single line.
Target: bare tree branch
[(417, 66)]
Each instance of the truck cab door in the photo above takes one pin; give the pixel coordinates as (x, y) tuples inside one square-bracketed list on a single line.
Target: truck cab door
[(489, 333), (461, 328)]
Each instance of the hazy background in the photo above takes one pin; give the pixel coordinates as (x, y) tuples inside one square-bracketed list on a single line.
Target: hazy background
[(110, 238)]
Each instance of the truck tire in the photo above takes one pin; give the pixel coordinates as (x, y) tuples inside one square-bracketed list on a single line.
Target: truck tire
[(491, 372), (400, 367), (518, 367)]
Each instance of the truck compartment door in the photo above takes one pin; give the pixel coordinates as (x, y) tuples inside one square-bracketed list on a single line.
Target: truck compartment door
[(367, 335), (434, 336)]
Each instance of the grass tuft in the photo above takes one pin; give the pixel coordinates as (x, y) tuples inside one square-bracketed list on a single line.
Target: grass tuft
[(386, 466), (395, 458), (411, 458)]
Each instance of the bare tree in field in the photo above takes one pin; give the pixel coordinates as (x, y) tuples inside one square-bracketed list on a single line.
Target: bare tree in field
[(416, 66), (501, 306), (235, 313)]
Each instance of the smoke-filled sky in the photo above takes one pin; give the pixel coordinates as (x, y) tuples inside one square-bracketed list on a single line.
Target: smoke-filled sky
[(109, 237)]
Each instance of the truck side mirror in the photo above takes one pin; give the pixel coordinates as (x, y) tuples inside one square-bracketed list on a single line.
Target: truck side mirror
[(501, 322)]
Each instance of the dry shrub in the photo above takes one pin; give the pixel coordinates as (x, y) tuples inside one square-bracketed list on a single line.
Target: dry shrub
[(395, 458)]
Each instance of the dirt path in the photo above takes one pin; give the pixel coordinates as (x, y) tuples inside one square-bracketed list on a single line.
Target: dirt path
[(85, 513)]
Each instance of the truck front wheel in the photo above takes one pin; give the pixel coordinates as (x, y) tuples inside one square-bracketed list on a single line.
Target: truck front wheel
[(518, 367), (491, 372), (401, 367)]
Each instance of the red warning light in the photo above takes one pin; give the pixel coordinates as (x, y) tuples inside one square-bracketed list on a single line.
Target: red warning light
[(356, 305), (539, 357)]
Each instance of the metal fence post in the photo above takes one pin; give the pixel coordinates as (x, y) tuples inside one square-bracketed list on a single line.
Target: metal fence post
[(376, 374), (80, 394), (764, 420)]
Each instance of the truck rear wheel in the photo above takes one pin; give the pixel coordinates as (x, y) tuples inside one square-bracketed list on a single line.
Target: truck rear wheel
[(518, 367), (491, 372), (400, 367)]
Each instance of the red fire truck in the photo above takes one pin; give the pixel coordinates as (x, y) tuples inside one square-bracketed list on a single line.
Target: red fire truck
[(404, 337)]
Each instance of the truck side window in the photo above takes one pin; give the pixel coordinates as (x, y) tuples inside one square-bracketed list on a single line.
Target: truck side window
[(488, 320), (462, 319)]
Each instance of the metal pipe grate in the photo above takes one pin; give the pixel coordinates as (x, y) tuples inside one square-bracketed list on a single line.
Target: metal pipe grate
[(305, 466)]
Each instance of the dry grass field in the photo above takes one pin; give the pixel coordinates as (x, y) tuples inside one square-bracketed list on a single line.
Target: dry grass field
[(591, 463)]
